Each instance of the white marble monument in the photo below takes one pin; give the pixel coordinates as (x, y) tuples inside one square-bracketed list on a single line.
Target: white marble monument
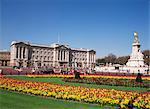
[(136, 62), (134, 65), (136, 57)]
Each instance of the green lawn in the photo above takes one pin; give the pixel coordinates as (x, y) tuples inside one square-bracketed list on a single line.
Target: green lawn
[(15, 100), (59, 81)]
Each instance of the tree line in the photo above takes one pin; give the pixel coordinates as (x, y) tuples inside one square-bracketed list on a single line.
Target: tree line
[(111, 58)]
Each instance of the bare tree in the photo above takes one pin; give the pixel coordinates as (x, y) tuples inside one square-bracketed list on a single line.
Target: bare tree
[(146, 54), (122, 60), (111, 58)]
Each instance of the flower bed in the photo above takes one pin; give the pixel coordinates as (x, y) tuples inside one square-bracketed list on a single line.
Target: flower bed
[(88, 76), (109, 81), (78, 93), (51, 75)]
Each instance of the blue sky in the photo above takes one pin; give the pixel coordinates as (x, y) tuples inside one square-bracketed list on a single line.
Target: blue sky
[(104, 25)]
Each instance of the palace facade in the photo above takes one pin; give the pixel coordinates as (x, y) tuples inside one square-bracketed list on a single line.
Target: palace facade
[(25, 54)]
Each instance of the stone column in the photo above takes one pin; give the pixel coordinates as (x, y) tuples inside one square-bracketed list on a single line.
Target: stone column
[(54, 56), (26, 56), (67, 58), (18, 52), (90, 60), (94, 58), (26, 53), (87, 59), (15, 52), (91, 57), (60, 55), (64, 55), (58, 58), (22, 52)]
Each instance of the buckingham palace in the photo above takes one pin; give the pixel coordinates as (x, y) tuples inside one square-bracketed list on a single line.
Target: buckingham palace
[(25, 54)]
